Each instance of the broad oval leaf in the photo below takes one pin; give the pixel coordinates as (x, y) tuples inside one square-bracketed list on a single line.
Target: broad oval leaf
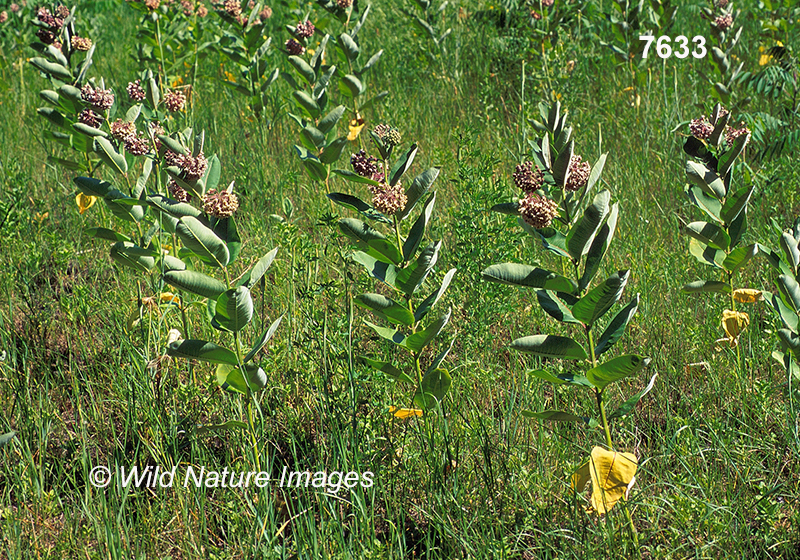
[(739, 256), (550, 346), (616, 327), (202, 241), (389, 370), (598, 301), (386, 308), (370, 239), (195, 282), (706, 286), (434, 387), (234, 309), (710, 234), (418, 229), (581, 235), (410, 278), (616, 369), (553, 306), (202, 350), (419, 187), (528, 276), (705, 178), (418, 341), (263, 339)]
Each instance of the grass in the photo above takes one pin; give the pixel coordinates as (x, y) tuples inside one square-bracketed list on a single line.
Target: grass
[(718, 474)]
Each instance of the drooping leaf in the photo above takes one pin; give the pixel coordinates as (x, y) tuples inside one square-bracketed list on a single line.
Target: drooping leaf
[(616, 369), (383, 271), (710, 234), (195, 282), (370, 239), (562, 378), (529, 276), (739, 256), (612, 474), (706, 286), (230, 378), (355, 203), (202, 241), (392, 335), (554, 307), (706, 203), (550, 346), (386, 308), (133, 256), (705, 254), (705, 178), (201, 350), (389, 370)]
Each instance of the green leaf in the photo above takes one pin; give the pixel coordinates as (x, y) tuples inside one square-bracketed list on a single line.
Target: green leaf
[(6, 438), (739, 256), (418, 229), (333, 151), (554, 307), (389, 370), (707, 204), (510, 208), (552, 239), (110, 156), (628, 405), (202, 241), (355, 203), (402, 165), (386, 308), (351, 86), (735, 203), (706, 286), (418, 341), (195, 282), (599, 246), (561, 165), (616, 369), (392, 335), (370, 239), (107, 234), (52, 69), (432, 299), (550, 346), (225, 426), (307, 103), (434, 387), (553, 416), (349, 47), (251, 278), (789, 341), (201, 350), (330, 120), (419, 188), (616, 327), (355, 178), (790, 291), (730, 155), (230, 378), (594, 175), (581, 235), (705, 254), (774, 259), (54, 116), (132, 256), (304, 69), (561, 379), (314, 137), (790, 249), (598, 301), (788, 317), (173, 208), (710, 234), (234, 309), (528, 276), (705, 178), (410, 278), (380, 270), (263, 339)]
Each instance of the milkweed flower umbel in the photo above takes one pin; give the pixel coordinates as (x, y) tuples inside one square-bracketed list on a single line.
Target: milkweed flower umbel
[(174, 101), (294, 48), (304, 29), (701, 128), (100, 99), (528, 177), (221, 204), (135, 91), (389, 199), (578, 174), (538, 211)]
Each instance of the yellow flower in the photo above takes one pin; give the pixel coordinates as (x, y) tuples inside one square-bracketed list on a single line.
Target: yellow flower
[(734, 323), (84, 202), (404, 412), (612, 477), (355, 128), (747, 295)]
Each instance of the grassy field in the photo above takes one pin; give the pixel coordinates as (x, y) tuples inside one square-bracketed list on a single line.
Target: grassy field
[(84, 385)]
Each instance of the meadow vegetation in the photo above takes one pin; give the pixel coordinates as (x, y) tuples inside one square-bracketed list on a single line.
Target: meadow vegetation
[(234, 284)]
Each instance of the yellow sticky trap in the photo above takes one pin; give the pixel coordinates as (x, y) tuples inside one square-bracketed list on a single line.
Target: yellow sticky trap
[(84, 202), (404, 412), (734, 323), (612, 475), (747, 295), (355, 128)]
